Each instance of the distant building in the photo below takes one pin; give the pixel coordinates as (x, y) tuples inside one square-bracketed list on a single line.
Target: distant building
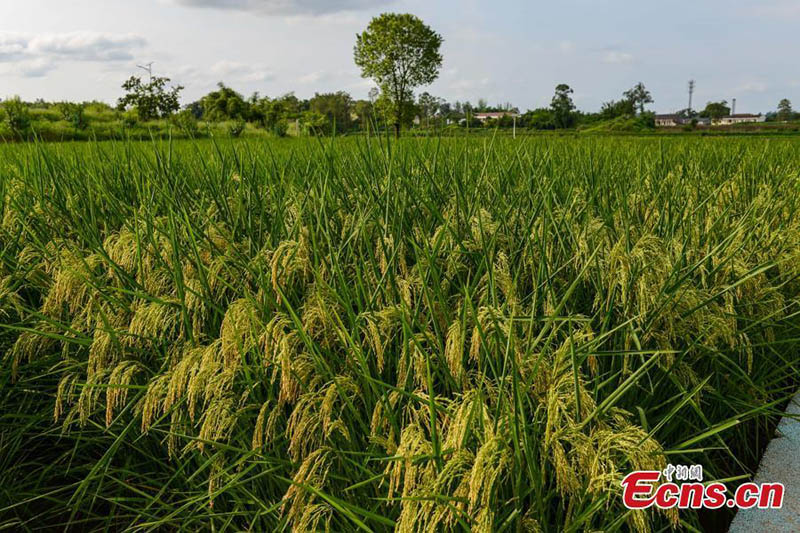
[(436, 116), (742, 118), (483, 117), (677, 120), (668, 120)]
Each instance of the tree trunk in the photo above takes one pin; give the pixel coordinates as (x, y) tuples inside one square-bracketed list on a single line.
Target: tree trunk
[(400, 103)]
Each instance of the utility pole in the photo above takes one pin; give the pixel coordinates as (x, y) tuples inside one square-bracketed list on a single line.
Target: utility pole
[(149, 68), (691, 92)]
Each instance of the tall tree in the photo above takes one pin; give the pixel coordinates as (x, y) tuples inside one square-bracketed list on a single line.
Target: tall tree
[(539, 119), (428, 106), (785, 111), (391, 112), (715, 110), (335, 107), (74, 113), (153, 99), (364, 110), (621, 108), (225, 104), (400, 53), (562, 106), (16, 116), (277, 112), (639, 96)]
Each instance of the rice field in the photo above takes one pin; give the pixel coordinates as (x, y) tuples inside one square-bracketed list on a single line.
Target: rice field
[(355, 334)]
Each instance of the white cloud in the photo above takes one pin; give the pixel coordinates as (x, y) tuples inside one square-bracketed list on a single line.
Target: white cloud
[(28, 68), (780, 9), (287, 7), (86, 46), (613, 57), (11, 46), (314, 77), (34, 55), (753, 86), (240, 71), (362, 85), (566, 46), (467, 85), (35, 68)]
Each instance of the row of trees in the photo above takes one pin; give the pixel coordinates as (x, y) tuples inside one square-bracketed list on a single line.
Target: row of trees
[(338, 112), (327, 113), (17, 116), (562, 112)]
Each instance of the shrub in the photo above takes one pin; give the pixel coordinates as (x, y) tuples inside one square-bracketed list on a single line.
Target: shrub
[(186, 121), (236, 128), (130, 118), (75, 114), (17, 117), (281, 128)]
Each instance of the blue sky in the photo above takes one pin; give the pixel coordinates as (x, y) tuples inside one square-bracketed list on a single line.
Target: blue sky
[(504, 50)]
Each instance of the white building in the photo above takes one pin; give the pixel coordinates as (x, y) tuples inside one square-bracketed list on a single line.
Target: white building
[(677, 120), (742, 118), (667, 120), (497, 115)]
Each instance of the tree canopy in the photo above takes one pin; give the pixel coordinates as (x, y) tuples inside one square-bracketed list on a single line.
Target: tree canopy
[(224, 104), (785, 111), (563, 106), (335, 110), (638, 96), (151, 100), (715, 110), (399, 52)]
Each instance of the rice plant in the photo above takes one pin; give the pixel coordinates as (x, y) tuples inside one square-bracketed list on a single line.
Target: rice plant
[(422, 335)]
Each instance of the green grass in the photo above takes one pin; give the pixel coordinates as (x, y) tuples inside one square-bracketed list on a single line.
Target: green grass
[(429, 335)]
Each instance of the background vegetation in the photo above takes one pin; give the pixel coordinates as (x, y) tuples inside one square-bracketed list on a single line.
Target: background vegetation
[(152, 110), (226, 113)]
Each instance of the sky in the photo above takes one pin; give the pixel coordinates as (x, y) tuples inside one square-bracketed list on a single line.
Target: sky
[(513, 51)]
